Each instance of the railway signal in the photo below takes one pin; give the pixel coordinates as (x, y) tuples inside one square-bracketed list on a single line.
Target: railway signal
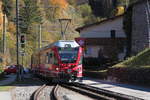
[(22, 40)]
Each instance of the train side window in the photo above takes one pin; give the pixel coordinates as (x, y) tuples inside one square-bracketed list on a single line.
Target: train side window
[(49, 57)]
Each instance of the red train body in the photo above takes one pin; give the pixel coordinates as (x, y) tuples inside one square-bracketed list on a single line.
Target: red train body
[(61, 61)]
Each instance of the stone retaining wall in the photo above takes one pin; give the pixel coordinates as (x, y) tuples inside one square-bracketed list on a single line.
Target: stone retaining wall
[(140, 34)]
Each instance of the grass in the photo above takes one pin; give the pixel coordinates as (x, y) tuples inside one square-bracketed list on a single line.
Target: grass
[(141, 60), (6, 88)]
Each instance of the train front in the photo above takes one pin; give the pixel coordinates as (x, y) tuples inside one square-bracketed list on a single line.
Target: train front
[(70, 55)]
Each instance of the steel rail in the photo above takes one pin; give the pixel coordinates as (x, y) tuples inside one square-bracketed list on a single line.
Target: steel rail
[(98, 93), (54, 93), (108, 93), (87, 93), (36, 94)]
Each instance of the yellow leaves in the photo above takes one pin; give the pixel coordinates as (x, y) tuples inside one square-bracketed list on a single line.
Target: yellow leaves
[(49, 37), (62, 8), (11, 27), (60, 3), (11, 40), (120, 10), (1, 15)]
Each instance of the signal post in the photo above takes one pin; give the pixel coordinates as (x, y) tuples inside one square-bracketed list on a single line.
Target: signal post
[(22, 52)]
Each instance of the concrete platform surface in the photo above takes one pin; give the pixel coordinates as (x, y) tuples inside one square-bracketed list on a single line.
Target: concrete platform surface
[(136, 91), (5, 96)]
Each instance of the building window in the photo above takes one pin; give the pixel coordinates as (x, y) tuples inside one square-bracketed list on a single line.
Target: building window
[(113, 33)]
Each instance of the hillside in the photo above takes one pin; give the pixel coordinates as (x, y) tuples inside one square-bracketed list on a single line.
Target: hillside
[(138, 61), (32, 14)]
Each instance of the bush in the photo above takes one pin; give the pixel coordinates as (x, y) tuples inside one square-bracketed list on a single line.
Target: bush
[(96, 74), (1, 70), (90, 61), (97, 62), (135, 69)]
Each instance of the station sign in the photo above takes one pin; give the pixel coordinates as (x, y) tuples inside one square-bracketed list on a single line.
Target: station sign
[(80, 41)]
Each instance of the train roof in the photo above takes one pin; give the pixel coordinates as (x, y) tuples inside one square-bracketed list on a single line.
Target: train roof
[(61, 43)]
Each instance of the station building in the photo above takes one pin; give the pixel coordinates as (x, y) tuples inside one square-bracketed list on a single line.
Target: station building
[(106, 38)]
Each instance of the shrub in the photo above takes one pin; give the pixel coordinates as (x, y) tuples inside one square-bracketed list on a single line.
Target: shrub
[(96, 74)]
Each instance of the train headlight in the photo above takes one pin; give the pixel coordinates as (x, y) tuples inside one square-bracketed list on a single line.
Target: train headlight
[(57, 69)]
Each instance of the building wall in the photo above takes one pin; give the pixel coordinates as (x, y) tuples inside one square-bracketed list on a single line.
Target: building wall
[(110, 48), (98, 37), (103, 30), (140, 28)]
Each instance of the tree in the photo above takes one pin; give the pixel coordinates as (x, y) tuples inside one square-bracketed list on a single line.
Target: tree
[(87, 14), (29, 14), (103, 8), (7, 6)]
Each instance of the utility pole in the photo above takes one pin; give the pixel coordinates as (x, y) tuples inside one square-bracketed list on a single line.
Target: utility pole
[(17, 38), (4, 34), (39, 36)]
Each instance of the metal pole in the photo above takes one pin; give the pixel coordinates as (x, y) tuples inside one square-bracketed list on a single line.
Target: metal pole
[(62, 33), (22, 59), (39, 41), (17, 38), (4, 34)]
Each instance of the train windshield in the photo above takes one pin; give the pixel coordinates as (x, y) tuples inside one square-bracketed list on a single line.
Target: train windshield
[(68, 55)]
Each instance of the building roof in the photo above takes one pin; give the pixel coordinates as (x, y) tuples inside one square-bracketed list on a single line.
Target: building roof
[(98, 23)]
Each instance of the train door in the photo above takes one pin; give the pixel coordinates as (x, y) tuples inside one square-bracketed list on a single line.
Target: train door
[(54, 61)]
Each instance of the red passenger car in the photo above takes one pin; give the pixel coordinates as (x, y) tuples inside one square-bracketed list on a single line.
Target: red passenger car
[(10, 69), (61, 61)]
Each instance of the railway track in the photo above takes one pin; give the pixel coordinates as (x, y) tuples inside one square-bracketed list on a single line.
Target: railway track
[(97, 93), (82, 89), (37, 95)]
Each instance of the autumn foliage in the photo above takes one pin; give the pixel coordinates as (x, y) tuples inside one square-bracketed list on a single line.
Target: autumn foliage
[(60, 3), (1, 15)]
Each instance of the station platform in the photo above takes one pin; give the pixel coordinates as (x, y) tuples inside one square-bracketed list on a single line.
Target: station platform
[(142, 93)]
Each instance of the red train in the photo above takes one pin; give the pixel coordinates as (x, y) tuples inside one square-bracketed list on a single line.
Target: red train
[(61, 61)]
